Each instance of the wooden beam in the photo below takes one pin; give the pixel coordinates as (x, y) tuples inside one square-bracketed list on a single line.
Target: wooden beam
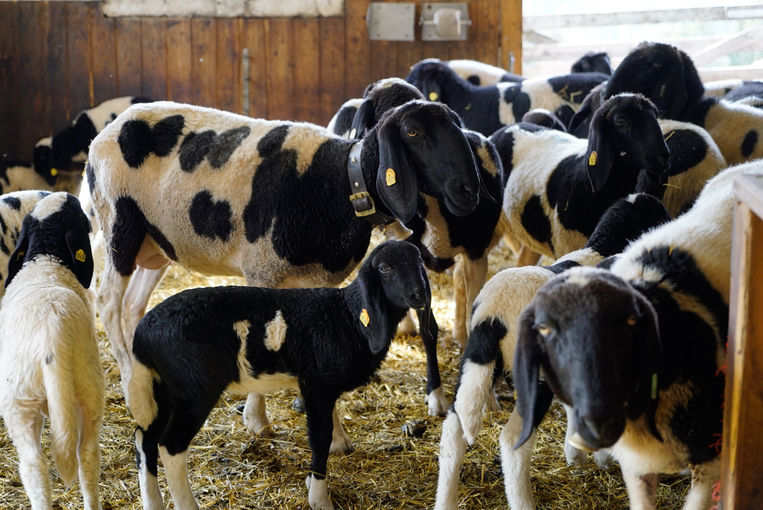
[(511, 35)]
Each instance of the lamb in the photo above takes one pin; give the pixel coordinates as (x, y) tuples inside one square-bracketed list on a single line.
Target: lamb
[(749, 93), (657, 409), (559, 186), (324, 341), (669, 78), (49, 354), (593, 62), (16, 175), (492, 341), (280, 216), (479, 73), (487, 109), (65, 151)]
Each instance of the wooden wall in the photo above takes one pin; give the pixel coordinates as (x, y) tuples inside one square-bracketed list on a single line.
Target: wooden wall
[(59, 57)]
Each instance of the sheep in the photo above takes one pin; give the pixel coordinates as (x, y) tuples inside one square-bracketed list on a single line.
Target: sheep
[(341, 123), (65, 151), (283, 215), (559, 186), (49, 354), (490, 350), (749, 93), (479, 73), (324, 341), (545, 118), (378, 98), (593, 61), (668, 77), (487, 109), (16, 175), (654, 397)]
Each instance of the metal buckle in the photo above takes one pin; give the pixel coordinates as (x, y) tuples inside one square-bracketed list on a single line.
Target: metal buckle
[(357, 204)]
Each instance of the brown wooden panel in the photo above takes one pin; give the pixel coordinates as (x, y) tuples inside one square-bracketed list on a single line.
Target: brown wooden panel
[(30, 70), (383, 55), (357, 49), (8, 80), (179, 61), (153, 79), (484, 34), (128, 59), (56, 69), (104, 66), (254, 41), (280, 72), (78, 50), (332, 67), (511, 34), (307, 69), (228, 62), (203, 53)]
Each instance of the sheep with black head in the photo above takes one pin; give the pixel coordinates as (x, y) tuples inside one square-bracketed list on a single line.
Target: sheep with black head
[(324, 341)]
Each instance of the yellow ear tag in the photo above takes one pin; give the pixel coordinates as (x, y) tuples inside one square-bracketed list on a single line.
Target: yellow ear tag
[(53, 172), (80, 255), (364, 318), (592, 159), (391, 178), (353, 133), (433, 96)]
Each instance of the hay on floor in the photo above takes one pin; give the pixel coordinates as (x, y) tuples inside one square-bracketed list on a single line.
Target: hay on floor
[(231, 469)]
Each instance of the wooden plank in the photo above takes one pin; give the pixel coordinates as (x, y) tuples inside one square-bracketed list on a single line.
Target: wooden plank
[(78, 49), (280, 71), (153, 79), (332, 67), (511, 35), (383, 55), (56, 68), (307, 64), (357, 48), (228, 62), (203, 52), (741, 463), (103, 55), (485, 32), (128, 60), (254, 41), (9, 142), (32, 16), (179, 65), (746, 39)]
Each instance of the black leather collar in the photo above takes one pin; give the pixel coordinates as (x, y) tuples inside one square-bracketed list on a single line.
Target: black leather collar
[(360, 199)]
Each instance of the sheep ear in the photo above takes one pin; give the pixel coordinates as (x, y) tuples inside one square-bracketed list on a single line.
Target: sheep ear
[(581, 118), (374, 328), (670, 94), (431, 89), (19, 254), (80, 257), (395, 178), (427, 323), (533, 396), (364, 119), (651, 358), (600, 157)]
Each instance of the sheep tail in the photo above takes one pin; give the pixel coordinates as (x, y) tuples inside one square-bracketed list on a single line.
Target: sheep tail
[(140, 395), (58, 379)]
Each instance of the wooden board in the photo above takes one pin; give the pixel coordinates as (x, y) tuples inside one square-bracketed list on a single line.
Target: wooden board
[(307, 75)]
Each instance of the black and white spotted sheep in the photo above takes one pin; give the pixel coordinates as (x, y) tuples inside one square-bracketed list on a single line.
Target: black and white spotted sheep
[(16, 175), (559, 185), (49, 354), (668, 77), (324, 341), (341, 123), (378, 98), (492, 341), (65, 152), (749, 93), (544, 118), (593, 62), (636, 351), (488, 108), (226, 194), (481, 73), (13, 209)]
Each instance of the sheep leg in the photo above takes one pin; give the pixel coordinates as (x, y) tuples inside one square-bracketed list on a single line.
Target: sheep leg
[(255, 417), (340, 443), (468, 278), (319, 432), (146, 449), (516, 464), (109, 300), (89, 454), (24, 427), (436, 403), (135, 300), (703, 476), (176, 470), (452, 450), (527, 257), (642, 488)]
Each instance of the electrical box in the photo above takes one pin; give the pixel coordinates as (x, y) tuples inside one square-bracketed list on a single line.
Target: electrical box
[(444, 21), (391, 22)]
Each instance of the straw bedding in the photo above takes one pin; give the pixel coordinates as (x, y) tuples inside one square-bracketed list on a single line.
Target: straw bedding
[(229, 468)]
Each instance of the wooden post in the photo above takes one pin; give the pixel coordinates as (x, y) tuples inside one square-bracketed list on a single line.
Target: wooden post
[(741, 459), (511, 35)]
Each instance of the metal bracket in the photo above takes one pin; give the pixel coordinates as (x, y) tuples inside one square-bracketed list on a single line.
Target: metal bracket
[(391, 22), (444, 21)]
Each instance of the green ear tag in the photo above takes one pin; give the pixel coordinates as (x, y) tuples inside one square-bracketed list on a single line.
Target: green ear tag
[(654, 386), (80, 255)]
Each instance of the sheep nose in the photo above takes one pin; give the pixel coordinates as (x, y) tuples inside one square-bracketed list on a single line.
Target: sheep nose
[(418, 297), (603, 430)]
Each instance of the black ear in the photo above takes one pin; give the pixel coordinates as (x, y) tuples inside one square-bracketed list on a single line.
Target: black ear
[(364, 119), (582, 118), (81, 258), (376, 330), (669, 93), (600, 156), (395, 178), (431, 89), (427, 323), (651, 358), (19, 254), (526, 382)]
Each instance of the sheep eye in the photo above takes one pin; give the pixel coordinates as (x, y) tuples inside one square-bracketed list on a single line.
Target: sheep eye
[(412, 132), (631, 320), (384, 268), (543, 329), (621, 121)]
